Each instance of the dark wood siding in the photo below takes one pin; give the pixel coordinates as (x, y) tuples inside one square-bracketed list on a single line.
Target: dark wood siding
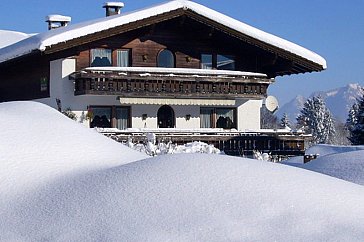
[(22, 80), (187, 39)]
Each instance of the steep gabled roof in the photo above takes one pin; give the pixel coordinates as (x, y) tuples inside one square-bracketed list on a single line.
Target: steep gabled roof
[(49, 39)]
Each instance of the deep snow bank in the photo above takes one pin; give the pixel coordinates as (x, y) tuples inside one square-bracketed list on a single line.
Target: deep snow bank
[(348, 166), (63, 182), (344, 162), (37, 144), (324, 149), (190, 197)]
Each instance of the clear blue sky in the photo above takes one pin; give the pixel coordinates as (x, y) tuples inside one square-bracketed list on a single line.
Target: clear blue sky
[(334, 29)]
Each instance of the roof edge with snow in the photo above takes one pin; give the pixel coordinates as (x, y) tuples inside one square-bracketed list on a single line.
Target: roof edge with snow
[(49, 39)]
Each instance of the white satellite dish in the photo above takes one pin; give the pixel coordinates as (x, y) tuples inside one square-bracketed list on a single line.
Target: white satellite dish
[(271, 103)]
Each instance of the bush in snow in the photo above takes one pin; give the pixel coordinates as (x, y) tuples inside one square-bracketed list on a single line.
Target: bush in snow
[(68, 112), (152, 148), (316, 118), (355, 123)]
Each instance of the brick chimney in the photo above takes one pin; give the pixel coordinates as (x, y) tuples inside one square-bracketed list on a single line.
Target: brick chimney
[(55, 21), (113, 8)]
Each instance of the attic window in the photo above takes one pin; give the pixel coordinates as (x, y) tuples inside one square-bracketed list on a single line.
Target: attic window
[(100, 57), (166, 59), (206, 61), (217, 61), (225, 62)]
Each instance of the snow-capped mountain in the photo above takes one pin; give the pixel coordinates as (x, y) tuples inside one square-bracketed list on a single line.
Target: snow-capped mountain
[(339, 101)]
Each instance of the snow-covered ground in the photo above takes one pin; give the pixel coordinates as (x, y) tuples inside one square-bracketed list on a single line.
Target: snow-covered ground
[(63, 182), (344, 162)]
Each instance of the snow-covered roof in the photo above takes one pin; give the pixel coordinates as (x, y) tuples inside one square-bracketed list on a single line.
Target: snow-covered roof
[(45, 40), (8, 37)]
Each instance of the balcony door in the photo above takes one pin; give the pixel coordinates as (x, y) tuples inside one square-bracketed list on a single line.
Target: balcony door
[(166, 118)]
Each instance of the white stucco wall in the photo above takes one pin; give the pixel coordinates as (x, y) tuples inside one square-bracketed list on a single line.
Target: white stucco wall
[(248, 111), (182, 111), (152, 110)]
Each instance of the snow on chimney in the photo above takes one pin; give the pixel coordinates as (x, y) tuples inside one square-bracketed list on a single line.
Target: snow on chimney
[(113, 8), (55, 21)]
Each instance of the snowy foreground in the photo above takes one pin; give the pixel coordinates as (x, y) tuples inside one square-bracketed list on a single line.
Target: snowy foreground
[(344, 162), (63, 182)]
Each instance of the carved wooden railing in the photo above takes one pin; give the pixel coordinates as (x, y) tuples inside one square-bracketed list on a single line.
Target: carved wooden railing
[(110, 81)]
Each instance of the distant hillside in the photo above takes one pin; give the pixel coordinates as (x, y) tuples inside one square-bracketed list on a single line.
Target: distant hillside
[(338, 101)]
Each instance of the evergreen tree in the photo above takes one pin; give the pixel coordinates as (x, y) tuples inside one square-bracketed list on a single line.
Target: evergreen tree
[(316, 118), (285, 122), (355, 123), (268, 120)]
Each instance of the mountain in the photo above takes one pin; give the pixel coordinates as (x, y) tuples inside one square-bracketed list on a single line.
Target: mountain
[(292, 108), (338, 100)]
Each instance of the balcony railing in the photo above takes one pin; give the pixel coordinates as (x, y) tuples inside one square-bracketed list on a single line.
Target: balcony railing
[(170, 82)]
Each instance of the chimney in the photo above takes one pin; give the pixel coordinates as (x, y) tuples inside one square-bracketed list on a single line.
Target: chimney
[(55, 21), (113, 8)]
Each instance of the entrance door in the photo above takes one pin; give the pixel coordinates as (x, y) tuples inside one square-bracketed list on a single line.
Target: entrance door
[(165, 117)]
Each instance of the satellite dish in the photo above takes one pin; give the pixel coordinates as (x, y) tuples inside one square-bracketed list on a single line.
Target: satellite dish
[(271, 103)]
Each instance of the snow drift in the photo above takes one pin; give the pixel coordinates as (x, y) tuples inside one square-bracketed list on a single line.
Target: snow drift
[(346, 164), (38, 144), (324, 150), (190, 198), (62, 182)]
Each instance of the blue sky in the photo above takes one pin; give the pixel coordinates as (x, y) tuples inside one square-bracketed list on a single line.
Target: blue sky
[(334, 29)]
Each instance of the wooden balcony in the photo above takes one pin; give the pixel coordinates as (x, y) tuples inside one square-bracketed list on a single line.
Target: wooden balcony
[(276, 142), (170, 82)]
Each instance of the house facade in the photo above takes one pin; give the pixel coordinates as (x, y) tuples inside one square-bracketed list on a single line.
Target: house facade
[(176, 65)]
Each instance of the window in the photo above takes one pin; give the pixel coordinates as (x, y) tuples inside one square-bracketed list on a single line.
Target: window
[(122, 117), (101, 57), (109, 117), (206, 117), (122, 58), (166, 59), (218, 118), (206, 61), (225, 118), (217, 61), (101, 117), (225, 62)]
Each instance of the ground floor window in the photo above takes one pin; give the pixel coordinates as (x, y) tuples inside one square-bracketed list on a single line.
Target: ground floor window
[(166, 117), (218, 118), (122, 117), (109, 117)]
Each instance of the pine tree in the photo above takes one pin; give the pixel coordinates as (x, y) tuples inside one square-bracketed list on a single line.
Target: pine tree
[(316, 118), (268, 120), (285, 122), (355, 123)]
